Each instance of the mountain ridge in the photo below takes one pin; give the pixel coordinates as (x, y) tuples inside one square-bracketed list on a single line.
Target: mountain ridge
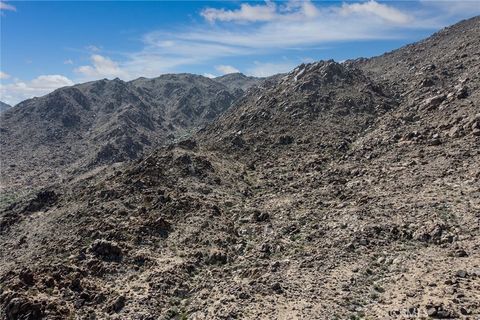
[(105, 121)]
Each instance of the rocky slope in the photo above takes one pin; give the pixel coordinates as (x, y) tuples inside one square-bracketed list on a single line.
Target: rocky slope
[(4, 106), (102, 122), (340, 191), (238, 80)]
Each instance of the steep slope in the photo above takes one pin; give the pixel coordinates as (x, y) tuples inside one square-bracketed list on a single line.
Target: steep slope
[(336, 192), (81, 127), (4, 106)]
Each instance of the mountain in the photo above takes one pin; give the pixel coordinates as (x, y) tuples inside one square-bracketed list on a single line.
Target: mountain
[(340, 190), (88, 125), (4, 106), (238, 80)]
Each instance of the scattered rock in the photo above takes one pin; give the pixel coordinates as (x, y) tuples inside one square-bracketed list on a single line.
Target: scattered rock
[(217, 256), (188, 144), (105, 249), (285, 139), (259, 216), (27, 277), (42, 200), (461, 274), (434, 101), (277, 288)]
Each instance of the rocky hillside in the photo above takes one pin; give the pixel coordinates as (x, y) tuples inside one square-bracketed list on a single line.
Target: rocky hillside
[(238, 80), (341, 191), (4, 106), (102, 122)]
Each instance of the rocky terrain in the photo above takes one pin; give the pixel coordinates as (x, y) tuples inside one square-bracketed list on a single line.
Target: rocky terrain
[(336, 191), (79, 128), (238, 81), (4, 106)]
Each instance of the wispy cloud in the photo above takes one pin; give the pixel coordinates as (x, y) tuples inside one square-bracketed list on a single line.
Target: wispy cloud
[(4, 75), (6, 6), (101, 67), (246, 12), (17, 91), (226, 69), (262, 29), (93, 48), (375, 9)]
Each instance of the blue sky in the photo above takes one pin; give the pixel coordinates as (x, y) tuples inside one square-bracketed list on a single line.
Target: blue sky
[(46, 45)]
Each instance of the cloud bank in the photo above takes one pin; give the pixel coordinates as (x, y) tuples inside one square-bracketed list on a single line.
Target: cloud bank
[(19, 90)]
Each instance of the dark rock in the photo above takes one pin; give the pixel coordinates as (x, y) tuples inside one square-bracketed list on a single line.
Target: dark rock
[(277, 288), (118, 304), (432, 311), (76, 285), (105, 249), (23, 309), (464, 311), (259, 216), (42, 200), (238, 142), (461, 253), (461, 274), (27, 277), (462, 92), (217, 257), (285, 139), (435, 142), (188, 144)]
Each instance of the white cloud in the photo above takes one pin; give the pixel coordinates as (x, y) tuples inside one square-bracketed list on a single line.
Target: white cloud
[(6, 6), (293, 25), (375, 9), (102, 67), (92, 48), (17, 91), (264, 28), (226, 69), (246, 12), (268, 68), (4, 75), (303, 24), (300, 10), (68, 61)]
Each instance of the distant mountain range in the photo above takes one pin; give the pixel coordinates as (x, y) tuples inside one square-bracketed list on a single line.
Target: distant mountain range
[(101, 122)]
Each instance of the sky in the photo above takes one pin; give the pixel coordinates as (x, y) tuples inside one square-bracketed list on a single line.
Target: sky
[(47, 45)]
